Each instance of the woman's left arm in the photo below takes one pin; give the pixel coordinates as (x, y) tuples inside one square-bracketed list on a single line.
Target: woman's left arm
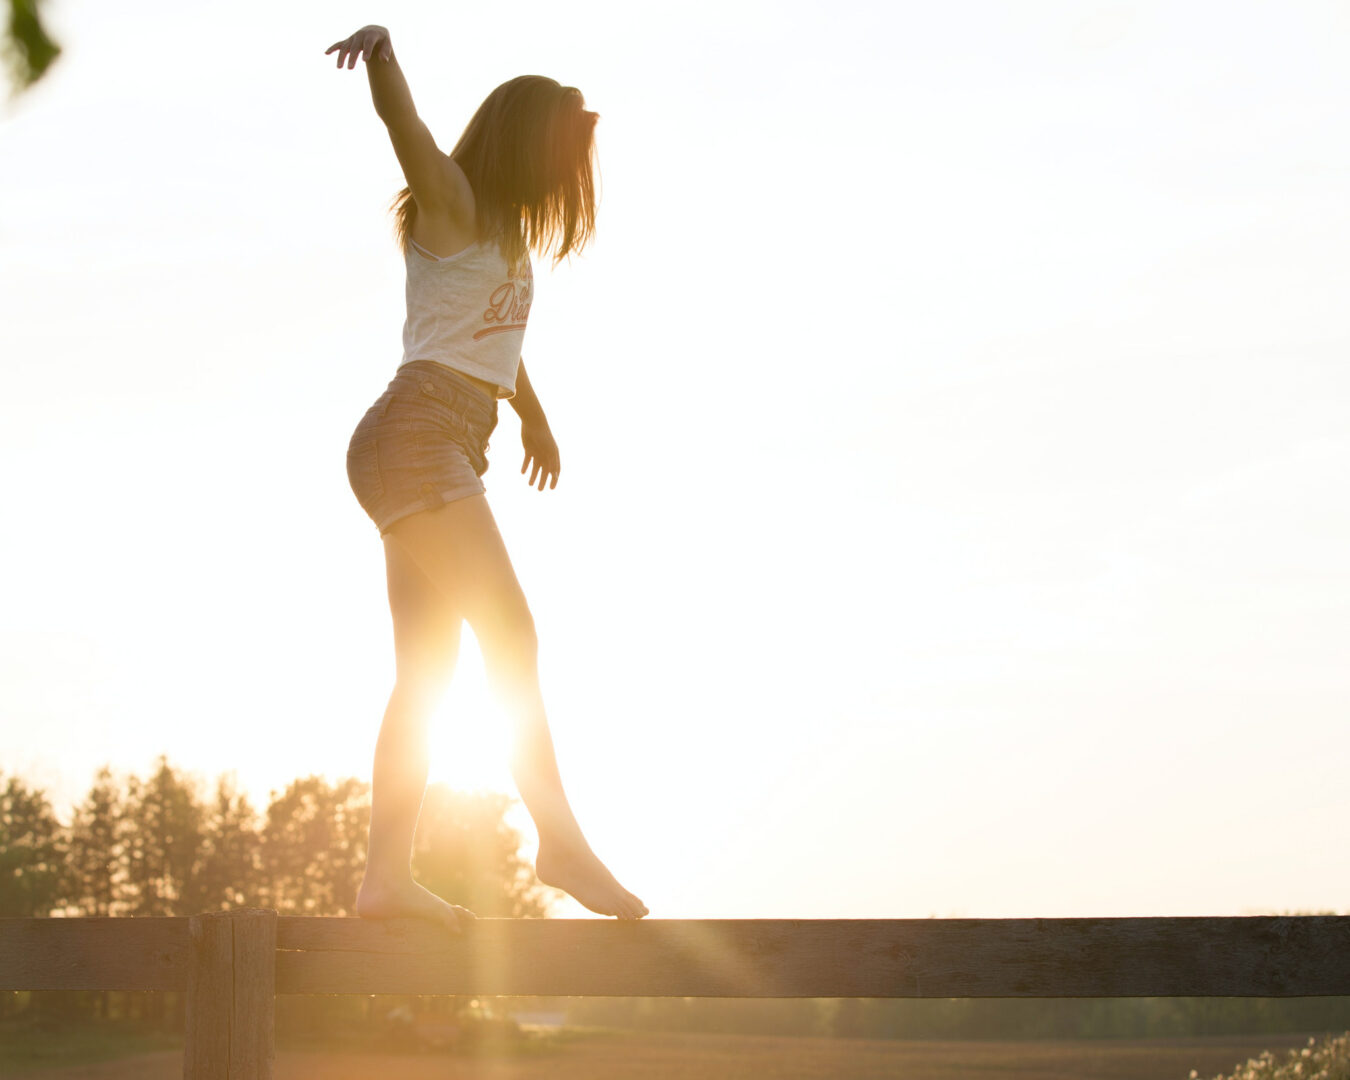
[(534, 433)]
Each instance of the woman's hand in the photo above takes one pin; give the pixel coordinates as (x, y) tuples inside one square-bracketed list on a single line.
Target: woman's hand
[(367, 42), (542, 450)]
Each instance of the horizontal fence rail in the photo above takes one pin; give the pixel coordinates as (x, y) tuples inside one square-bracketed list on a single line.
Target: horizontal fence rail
[(1254, 956), (232, 964)]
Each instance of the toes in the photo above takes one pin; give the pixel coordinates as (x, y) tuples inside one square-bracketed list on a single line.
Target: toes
[(456, 918), (462, 917)]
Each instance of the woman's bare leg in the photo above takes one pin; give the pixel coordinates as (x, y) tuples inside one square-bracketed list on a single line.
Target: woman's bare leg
[(459, 549), (426, 644)]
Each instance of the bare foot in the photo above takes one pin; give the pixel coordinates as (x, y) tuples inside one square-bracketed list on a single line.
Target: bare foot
[(585, 878), (406, 899)]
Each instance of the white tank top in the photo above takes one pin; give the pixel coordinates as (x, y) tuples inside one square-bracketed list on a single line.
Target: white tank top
[(468, 312)]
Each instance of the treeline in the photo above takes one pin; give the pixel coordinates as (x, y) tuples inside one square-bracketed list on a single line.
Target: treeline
[(161, 845)]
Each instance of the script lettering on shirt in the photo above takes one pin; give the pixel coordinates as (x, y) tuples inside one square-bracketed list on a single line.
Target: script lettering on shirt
[(508, 307)]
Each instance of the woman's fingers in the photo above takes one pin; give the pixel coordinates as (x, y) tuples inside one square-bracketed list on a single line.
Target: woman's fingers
[(542, 473), (347, 52), (365, 43), (343, 47)]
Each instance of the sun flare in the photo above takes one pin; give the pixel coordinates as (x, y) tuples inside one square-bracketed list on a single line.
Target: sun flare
[(470, 736)]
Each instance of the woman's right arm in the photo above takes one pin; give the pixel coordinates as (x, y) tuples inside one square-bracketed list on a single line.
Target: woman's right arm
[(436, 181)]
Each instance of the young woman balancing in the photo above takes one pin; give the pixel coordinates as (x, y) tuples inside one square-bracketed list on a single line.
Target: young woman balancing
[(518, 179)]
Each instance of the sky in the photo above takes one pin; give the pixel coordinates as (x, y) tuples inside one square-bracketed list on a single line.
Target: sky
[(954, 412)]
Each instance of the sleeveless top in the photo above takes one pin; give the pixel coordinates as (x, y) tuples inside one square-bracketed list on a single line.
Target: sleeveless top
[(468, 312)]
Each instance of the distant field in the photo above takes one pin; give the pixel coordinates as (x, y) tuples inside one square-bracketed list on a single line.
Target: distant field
[(653, 1056)]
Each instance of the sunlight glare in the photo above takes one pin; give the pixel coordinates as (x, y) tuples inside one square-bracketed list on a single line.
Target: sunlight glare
[(470, 734)]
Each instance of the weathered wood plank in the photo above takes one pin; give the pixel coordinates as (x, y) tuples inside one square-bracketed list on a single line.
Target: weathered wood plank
[(1255, 956), (231, 995), (94, 954), (210, 995), (251, 1027)]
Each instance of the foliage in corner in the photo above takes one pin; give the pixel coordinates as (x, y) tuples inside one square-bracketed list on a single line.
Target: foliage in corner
[(28, 48), (1325, 1060)]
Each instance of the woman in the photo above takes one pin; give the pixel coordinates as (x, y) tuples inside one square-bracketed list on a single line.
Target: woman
[(518, 179)]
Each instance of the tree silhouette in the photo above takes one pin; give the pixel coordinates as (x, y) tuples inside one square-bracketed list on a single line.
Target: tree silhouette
[(162, 849), (314, 846), (95, 877), (30, 851), (230, 871), (28, 49)]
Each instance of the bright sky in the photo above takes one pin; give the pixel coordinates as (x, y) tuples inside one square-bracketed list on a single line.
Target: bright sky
[(954, 414)]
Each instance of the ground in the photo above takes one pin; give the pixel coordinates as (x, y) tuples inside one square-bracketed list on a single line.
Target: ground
[(660, 1056)]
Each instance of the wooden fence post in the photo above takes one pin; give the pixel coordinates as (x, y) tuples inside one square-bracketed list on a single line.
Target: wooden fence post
[(231, 995)]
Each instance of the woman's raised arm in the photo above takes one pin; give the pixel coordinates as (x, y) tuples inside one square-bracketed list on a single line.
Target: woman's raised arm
[(436, 181)]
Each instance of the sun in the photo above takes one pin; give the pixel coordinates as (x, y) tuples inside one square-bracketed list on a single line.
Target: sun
[(470, 736)]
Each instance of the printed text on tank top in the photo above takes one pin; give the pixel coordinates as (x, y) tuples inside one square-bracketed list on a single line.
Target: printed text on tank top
[(502, 307), (508, 308)]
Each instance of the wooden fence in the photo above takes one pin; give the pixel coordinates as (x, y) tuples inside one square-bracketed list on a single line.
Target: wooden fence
[(232, 964)]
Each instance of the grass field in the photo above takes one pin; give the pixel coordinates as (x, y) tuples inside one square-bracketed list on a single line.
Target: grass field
[(655, 1056)]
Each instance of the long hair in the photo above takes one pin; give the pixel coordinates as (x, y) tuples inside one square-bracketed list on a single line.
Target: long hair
[(528, 155)]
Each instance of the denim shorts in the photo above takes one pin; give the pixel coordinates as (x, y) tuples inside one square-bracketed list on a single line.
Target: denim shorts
[(422, 444)]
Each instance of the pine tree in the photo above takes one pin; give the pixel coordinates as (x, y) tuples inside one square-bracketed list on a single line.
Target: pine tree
[(31, 843), (314, 846), (230, 872), (96, 876), (163, 848)]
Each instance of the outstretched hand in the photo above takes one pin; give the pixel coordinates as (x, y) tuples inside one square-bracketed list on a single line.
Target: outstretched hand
[(367, 42), (542, 451)]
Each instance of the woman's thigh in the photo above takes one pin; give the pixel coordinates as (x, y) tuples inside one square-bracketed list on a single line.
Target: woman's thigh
[(460, 552), (427, 624)]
